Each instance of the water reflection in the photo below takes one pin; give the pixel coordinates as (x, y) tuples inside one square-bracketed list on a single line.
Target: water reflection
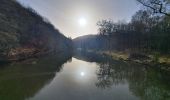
[(19, 81), (87, 76), (144, 82)]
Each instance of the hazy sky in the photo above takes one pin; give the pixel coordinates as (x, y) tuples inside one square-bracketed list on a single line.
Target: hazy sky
[(79, 17)]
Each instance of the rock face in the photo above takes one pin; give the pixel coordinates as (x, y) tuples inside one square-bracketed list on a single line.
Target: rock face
[(24, 32)]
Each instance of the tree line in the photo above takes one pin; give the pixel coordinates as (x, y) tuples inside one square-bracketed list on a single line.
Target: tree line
[(148, 30)]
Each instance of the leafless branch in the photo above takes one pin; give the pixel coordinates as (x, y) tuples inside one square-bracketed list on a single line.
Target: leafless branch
[(159, 4)]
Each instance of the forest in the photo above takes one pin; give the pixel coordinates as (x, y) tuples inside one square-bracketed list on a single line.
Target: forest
[(147, 35), (24, 33)]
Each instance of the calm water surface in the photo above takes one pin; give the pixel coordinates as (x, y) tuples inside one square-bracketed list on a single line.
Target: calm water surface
[(82, 78)]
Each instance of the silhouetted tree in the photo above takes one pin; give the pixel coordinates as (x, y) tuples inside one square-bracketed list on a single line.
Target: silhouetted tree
[(107, 29), (158, 6)]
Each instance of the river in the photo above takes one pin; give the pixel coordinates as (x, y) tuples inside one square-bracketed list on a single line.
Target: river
[(82, 77)]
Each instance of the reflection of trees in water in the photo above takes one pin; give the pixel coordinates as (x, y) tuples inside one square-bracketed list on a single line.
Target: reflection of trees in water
[(144, 82), (23, 80), (154, 86), (104, 76), (115, 73), (148, 84)]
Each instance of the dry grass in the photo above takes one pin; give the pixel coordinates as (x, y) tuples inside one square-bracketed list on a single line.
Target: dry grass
[(164, 59), (125, 55), (117, 55)]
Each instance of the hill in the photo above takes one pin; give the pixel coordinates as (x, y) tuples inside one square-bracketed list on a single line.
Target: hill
[(24, 33), (92, 42)]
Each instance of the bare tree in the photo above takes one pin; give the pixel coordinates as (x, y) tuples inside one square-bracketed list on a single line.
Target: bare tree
[(158, 6), (106, 29)]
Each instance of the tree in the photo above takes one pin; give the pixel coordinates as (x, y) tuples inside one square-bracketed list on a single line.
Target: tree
[(106, 29), (158, 6)]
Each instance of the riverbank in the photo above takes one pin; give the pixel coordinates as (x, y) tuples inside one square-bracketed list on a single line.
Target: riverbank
[(161, 61), (20, 54)]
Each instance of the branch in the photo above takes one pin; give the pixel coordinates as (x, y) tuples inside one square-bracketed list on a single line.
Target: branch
[(154, 9), (146, 5)]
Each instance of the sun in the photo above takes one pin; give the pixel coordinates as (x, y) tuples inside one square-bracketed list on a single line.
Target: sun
[(82, 21), (82, 73)]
